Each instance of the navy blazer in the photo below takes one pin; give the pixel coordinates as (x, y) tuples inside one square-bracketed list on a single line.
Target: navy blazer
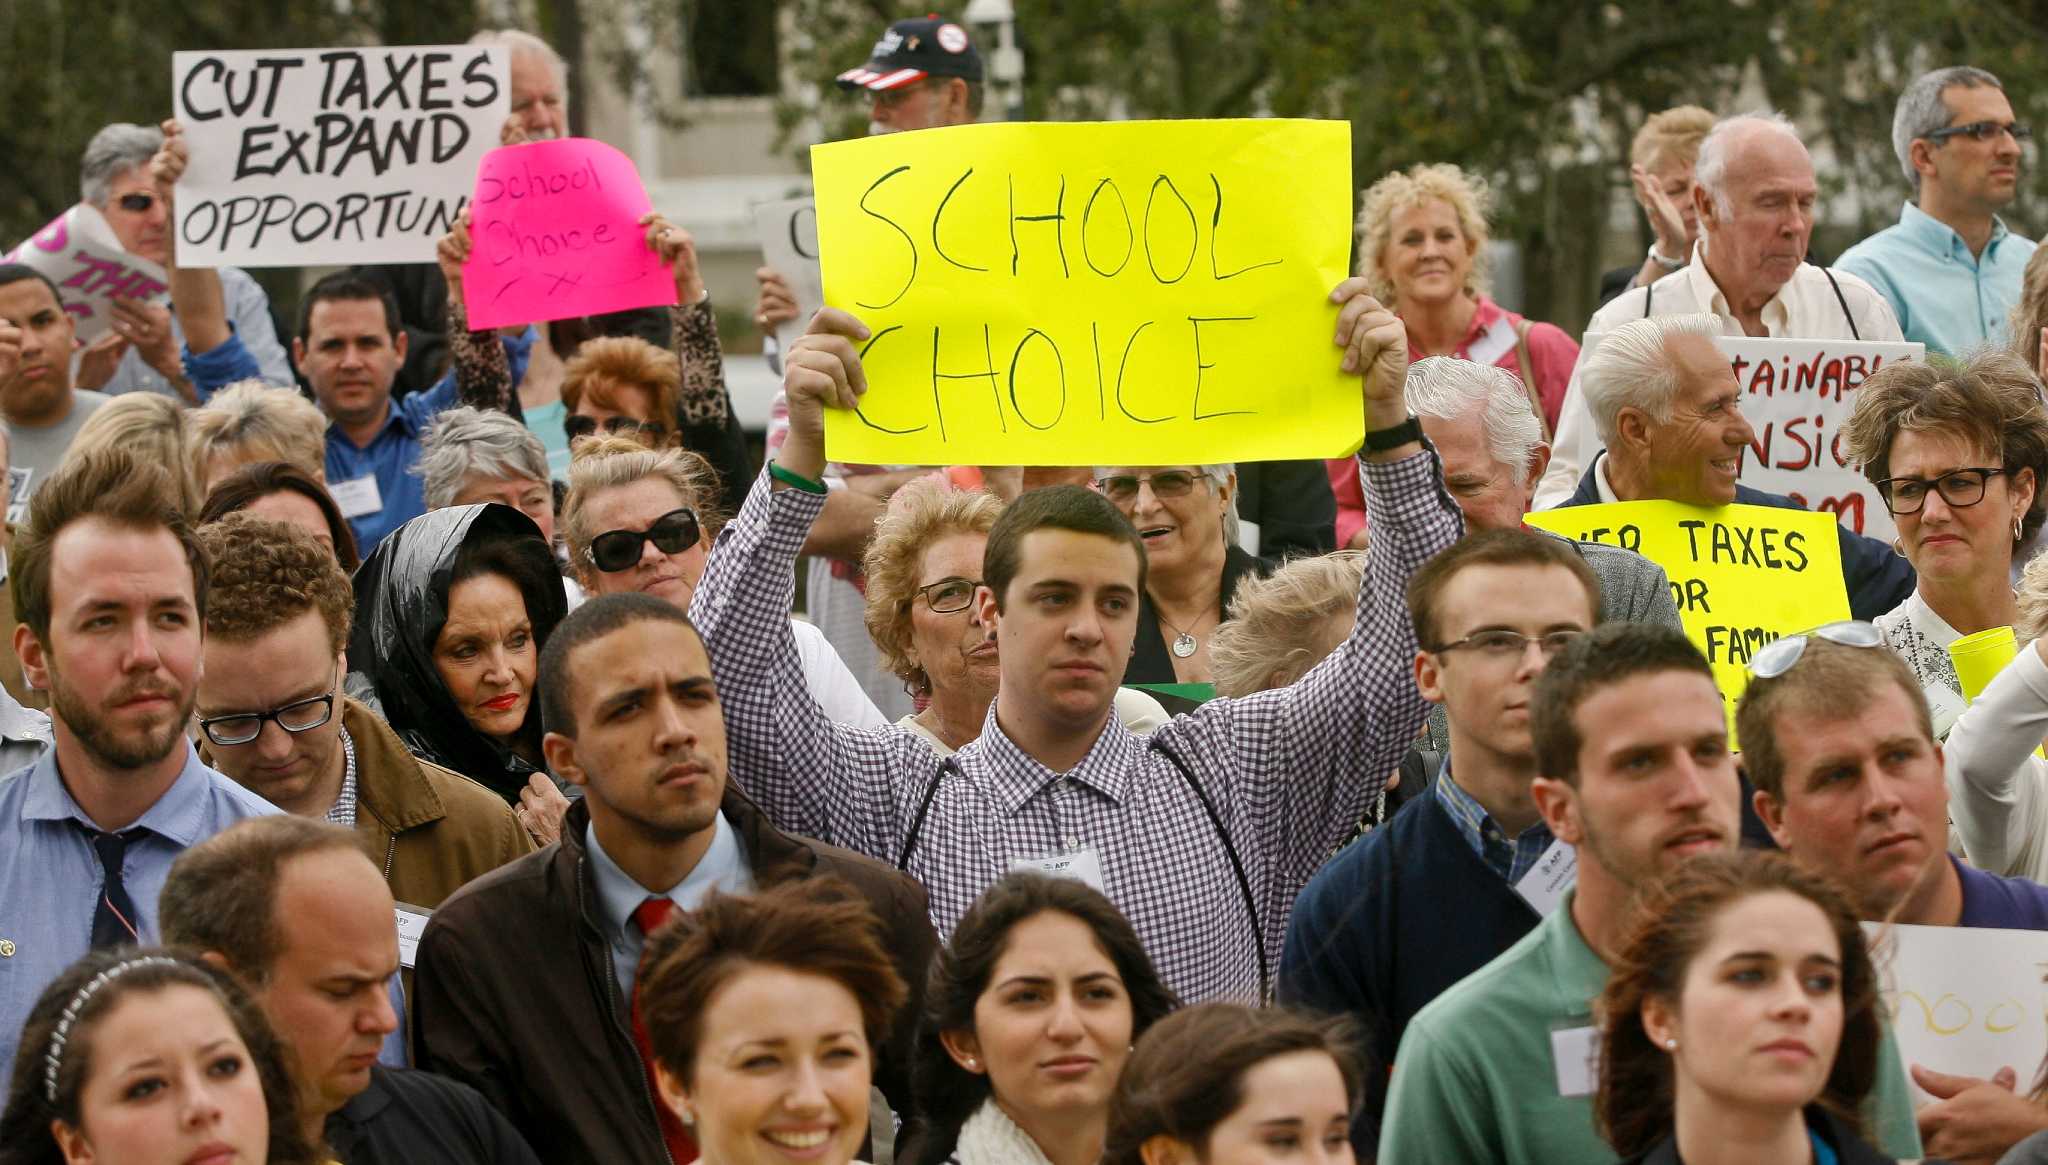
[(1878, 578)]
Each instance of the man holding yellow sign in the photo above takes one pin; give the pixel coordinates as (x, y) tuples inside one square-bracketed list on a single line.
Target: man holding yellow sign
[(1091, 294)]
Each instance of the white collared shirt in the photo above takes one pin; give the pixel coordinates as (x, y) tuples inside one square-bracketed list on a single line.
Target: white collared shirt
[(1805, 308)]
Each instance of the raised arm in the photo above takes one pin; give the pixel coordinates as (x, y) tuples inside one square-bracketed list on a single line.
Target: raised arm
[(813, 777), (1994, 784), (483, 375), (1305, 760)]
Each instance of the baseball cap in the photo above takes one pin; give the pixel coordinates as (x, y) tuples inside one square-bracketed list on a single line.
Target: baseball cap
[(923, 46)]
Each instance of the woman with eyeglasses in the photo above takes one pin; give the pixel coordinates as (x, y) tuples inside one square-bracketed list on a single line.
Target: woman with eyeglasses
[(452, 611), (1186, 517), (923, 567), (1957, 452), (1741, 1022), (641, 520)]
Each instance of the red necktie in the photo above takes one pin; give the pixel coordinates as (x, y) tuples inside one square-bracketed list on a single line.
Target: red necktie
[(649, 916)]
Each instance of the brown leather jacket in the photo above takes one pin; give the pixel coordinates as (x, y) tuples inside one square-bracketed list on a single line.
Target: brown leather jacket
[(429, 829), (516, 996)]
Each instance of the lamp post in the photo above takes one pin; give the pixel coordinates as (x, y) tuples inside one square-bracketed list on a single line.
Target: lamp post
[(1006, 64)]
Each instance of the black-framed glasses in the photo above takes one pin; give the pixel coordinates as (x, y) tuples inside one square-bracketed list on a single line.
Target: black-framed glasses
[(949, 594), (578, 426), (1982, 131), (672, 533), (1778, 656), (1122, 488), (1957, 487), (242, 727), (1498, 643), (136, 201)]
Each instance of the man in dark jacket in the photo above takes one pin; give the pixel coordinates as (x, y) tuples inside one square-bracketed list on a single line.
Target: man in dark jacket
[(526, 975), (291, 907), (1669, 410)]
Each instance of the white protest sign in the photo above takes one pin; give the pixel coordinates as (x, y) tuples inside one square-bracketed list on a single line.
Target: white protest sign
[(331, 156), (1965, 1000), (80, 253), (789, 244), (1797, 395)]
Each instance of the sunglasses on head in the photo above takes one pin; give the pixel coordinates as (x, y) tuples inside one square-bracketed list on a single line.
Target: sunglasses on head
[(579, 426), (136, 201), (1780, 655), (617, 550)]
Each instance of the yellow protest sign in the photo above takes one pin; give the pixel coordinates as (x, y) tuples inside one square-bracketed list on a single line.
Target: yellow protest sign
[(1125, 293), (1741, 576)]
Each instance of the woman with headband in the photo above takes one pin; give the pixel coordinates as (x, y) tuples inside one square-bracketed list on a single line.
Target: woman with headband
[(147, 1058)]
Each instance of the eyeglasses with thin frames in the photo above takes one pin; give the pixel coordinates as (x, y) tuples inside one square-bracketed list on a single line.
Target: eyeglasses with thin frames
[(1498, 643), (1982, 131), (949, 595), (1122, 488)]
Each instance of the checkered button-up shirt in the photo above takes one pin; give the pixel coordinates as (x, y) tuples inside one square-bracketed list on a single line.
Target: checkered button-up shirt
[(1288, 770)]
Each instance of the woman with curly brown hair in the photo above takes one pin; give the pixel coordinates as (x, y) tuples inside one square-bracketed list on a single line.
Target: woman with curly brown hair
[(1741, 1021), (1957, 451)]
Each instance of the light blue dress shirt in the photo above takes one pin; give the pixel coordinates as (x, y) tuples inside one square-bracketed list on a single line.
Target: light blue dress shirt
[(389, 458), (1946, 298), (723, 868), (50, 878)]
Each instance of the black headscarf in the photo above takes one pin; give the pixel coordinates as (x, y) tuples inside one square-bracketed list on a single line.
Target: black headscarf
[(401, 605)]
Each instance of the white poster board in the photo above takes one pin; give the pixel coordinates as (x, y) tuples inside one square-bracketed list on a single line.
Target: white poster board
[(1964, 1000), (331, 156), (789, 244), (1797, 395), (80, 253)]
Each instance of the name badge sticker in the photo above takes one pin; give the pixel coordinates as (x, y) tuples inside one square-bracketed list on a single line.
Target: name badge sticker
[(1553, 875), (1575, 1049), (357, 497), (1082, 865), (412, 923)]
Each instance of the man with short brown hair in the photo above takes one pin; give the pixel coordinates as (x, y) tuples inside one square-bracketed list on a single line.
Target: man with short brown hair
[(273, 717), (110, 585)]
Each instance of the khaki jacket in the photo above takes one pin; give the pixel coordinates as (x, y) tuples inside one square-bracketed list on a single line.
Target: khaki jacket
[(428, 828)]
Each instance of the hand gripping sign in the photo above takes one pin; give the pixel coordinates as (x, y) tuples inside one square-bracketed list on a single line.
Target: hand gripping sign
[(1080, 294), (79, 252)]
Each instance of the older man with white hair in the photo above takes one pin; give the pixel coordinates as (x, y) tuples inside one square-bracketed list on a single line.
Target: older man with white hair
[(145, 350), (1667, 408), (540, 86), (1754, 192), (1949, 267)]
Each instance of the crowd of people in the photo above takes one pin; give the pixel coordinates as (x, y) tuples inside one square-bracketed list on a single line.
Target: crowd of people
[(415, 753)]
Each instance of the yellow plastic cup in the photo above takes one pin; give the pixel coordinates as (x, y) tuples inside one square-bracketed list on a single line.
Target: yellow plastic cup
[(1980, 657)]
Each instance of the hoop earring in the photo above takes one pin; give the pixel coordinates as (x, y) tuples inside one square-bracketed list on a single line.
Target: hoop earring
[(2015, 530), (1896, 550)]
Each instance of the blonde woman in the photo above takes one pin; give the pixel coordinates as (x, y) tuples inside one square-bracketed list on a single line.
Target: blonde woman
[(150, 426), (1283, 625), (251, 421)]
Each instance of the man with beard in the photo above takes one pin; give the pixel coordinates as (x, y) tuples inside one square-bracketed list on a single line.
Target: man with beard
[(1632, 750), (634, 720), (110, 585)]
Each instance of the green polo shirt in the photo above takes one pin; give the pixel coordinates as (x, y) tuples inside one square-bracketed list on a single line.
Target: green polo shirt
[(1475, 1080)]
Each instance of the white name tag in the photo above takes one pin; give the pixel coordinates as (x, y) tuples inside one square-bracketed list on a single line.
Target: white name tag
[(357, 497), (1082, 865), (1546, 883), (412, 923), (1576, 1051)]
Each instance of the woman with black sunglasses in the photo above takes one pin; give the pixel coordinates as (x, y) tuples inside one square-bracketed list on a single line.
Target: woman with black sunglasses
[(1957, 452), (640, 520), (452, 611)]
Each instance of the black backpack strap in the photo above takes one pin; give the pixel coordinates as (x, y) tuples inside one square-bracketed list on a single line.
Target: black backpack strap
[(923, 807), (1244, 882), (1844, 301)]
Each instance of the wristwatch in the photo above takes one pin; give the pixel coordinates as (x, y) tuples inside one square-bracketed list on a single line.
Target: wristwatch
[(1381, 440), (1664, 261)]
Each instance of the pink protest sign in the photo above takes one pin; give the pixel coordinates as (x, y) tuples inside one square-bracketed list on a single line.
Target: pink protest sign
[(555, 233), (80, 253)]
